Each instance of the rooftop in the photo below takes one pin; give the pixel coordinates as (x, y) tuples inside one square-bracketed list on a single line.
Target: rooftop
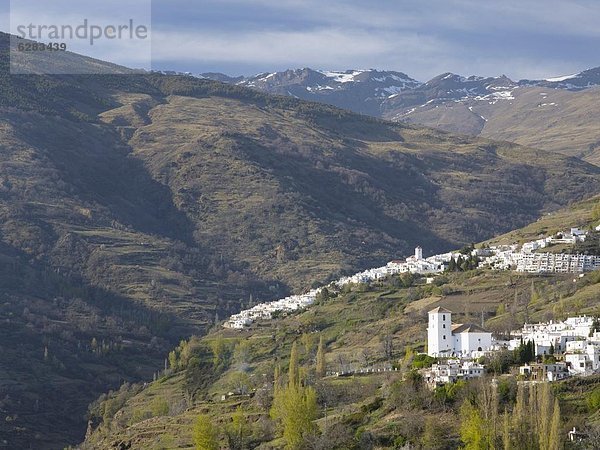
[(439, 309)]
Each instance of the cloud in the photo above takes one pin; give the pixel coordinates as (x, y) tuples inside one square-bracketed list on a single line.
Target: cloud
[(521, 38), (330, 47)]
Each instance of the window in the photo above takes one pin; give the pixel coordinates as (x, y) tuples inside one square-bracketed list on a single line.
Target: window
[(444, 326), (444, 337), (443, 316)]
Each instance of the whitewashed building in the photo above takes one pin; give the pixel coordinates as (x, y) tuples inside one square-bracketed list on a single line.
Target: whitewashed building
[(452, 370), (447, 339), (557, 263), (545, 372), (553, 334)]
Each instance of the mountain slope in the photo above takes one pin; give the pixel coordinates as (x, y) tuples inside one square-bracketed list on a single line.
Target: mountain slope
[(363, 327), (551, 119), (558, 114), (140, 207)]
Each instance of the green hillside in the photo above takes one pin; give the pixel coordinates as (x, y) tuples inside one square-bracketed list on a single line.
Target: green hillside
[(376, 326), (363, 327)]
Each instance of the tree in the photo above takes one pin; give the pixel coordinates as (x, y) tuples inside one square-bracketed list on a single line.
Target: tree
[(240, 383), (238, 431), (471, 427), (534, 296), (387, 345), (173, 360), (595, 325), (593, 400), (294, 406), (320, 366), (506, 444), (160, 407), (535, 422), (323, 295), (554, 436), (545, 412), (451, 265), (293, 375), (205, 434), (242, 353), (596, 212), (219, 350), (433, 435), (407, 279)]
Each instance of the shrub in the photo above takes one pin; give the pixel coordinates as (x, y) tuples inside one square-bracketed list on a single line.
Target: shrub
[(593, 400)]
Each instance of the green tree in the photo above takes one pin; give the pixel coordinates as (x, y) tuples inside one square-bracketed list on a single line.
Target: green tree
[(294, 406), (451, 265), (593, 400), (238, 431), (595, 326), (293, 373), (407, 279), (596, 212), (173, 363), (554, 441), (205, 434), (242, 352), (471, 427), (219, 351), (506, 442), (321, 368), (160, 407)]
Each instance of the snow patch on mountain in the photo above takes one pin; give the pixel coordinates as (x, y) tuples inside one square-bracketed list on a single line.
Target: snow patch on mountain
[(342, 77), (563, 78)]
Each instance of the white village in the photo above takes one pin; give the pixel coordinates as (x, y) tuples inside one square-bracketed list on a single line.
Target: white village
[(524, 258), (459, 347)]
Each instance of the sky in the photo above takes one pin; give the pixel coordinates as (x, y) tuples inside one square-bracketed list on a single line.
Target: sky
[(423, 38)]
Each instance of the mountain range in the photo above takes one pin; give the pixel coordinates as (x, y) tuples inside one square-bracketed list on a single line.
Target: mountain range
[(558, 111)]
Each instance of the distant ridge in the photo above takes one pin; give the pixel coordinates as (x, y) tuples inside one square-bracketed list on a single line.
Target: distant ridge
[(561, 112)]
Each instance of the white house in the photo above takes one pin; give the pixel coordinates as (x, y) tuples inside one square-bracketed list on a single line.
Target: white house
[(452, 370), (541, 372), (553, 334), (447, 339)]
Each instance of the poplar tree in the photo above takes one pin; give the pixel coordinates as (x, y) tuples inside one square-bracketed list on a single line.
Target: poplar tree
[(205, 434), (506, 444), (238, 431), (554, 436), (293, 375), (294, 406), (321, 367)]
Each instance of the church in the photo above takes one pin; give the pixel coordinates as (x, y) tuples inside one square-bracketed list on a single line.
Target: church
[(447, 339)]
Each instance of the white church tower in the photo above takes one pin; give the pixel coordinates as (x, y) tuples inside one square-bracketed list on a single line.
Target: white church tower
[(439, 332), (418, 253)]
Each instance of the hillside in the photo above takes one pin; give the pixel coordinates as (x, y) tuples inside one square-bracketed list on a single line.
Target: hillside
[(364, 326), (135, 210), (557, 120), (557, 114)]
